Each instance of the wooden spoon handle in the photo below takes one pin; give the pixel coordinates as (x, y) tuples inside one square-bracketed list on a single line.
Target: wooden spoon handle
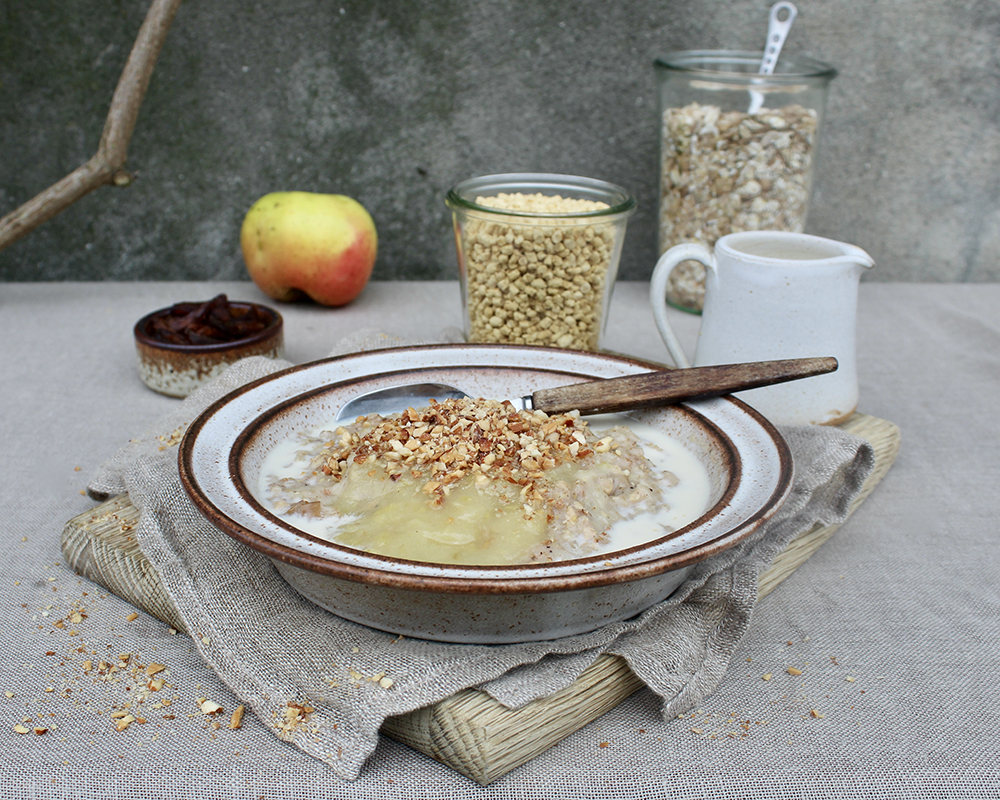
[(673, 385)]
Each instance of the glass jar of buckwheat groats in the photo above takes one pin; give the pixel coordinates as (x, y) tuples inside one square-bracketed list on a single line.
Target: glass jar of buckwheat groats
[(537, 257)]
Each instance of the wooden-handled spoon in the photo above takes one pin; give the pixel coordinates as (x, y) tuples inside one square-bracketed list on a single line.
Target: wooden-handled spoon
[(661, 387)]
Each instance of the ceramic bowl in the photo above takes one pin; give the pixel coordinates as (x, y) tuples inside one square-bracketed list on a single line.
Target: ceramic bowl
[(220, 462), (178, 369)]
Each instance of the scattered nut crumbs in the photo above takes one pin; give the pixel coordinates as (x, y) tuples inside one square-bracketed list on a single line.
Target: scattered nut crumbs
[(171, 439), (719, 726), (123, 722), (208, 707), (79, 669), (145, 681), (295, 717)]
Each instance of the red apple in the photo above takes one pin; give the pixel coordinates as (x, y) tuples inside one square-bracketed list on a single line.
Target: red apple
[(299, 244)]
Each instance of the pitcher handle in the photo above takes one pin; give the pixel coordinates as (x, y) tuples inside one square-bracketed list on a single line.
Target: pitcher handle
[(658, 292)]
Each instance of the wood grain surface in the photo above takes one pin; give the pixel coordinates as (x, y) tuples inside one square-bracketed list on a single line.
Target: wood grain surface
[(672, 385)]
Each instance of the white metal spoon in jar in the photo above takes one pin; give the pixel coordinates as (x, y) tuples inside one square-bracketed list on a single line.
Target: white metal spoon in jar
[(779, 23)]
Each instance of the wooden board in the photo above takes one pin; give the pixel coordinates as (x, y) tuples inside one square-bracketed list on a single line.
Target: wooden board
[(469, 731)]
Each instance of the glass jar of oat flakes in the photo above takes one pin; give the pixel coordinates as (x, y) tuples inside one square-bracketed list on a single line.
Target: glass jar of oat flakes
[(538, 256), (737, 150)]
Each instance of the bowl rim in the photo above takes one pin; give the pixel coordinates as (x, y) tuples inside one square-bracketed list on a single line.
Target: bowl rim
[(471, 579), (273, 328)]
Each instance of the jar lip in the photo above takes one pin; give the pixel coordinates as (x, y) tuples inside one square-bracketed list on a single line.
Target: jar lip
[(715, 62), (619, 200)]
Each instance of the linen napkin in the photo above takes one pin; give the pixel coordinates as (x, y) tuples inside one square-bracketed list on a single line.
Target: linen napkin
[(326, 684)]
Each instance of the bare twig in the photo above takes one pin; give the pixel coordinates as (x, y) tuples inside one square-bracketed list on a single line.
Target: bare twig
[(107, 165)]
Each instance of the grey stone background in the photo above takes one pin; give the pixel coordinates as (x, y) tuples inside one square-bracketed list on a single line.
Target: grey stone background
[(393, 101)]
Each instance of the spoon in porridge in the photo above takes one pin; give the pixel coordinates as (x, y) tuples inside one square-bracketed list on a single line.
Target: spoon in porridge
[(608, 395)]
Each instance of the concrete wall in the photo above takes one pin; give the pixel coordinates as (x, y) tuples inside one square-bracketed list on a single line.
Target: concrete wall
[(393, 101)]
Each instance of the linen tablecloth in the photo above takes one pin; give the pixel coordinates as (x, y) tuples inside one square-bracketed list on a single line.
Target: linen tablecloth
[(893, 624)]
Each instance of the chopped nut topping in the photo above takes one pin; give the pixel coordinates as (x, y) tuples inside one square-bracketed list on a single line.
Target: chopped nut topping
[(456, 437)]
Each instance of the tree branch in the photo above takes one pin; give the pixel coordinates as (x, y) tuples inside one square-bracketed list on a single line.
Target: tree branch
[(107, 165)]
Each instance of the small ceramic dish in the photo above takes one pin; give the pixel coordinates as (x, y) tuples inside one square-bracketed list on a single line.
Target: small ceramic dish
[(221, 457), (176, 365)]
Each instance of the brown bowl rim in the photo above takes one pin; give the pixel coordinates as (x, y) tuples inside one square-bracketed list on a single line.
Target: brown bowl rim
[(274, 328), (478, 585)]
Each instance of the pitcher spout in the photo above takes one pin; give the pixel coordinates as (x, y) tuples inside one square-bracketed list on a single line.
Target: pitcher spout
[(855, 255)]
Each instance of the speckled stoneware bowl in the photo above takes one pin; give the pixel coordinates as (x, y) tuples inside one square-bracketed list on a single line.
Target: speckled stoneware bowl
[(222, 452), (179, 369)]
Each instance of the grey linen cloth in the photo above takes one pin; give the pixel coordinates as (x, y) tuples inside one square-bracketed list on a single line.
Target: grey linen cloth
[(326, 685)]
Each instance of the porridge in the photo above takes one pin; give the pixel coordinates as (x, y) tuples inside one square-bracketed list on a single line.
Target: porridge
[(480, 482)]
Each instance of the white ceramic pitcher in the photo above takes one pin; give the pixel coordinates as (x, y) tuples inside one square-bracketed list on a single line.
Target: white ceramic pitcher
[(771, 295)]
